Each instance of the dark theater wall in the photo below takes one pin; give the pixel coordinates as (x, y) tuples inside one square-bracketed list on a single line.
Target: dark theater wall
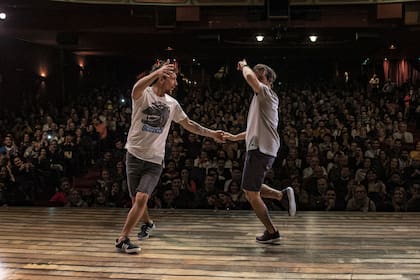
[(29, 73)]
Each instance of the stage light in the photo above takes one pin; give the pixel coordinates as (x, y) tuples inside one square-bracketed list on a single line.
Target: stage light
[(259, 38), (313, 38), (3, 16)]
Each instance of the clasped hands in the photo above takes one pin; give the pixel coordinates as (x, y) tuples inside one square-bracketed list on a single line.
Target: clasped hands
[(221, 136)]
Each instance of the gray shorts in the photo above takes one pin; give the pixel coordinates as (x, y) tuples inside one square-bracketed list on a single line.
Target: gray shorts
[(142, 176), (256, 166)]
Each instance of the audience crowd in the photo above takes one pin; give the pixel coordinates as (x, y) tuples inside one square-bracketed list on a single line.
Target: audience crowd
[(343, 148)]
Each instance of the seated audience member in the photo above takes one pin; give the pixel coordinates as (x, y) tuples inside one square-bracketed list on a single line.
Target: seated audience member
[(61, 197), (399, 200), (88, 195), (212, 202), (403, 135), (100, 199), (301, 195), (413, 203), (415, 154), (9, 148), (168, 199), (7, 184), (23, 172), (187, 183), (117, 197), (236, 176), (104, 182), (329, 201), (75, 199), (226, 201), (317, 198), (360, 201), (171, 171), (106, 162), (361, 172), (183, 198), (3, 194), (376, 188), (237, 195), (203, 193)]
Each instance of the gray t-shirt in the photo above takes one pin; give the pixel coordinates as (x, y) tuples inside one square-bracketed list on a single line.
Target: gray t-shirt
[(263, 119), (150, 122)]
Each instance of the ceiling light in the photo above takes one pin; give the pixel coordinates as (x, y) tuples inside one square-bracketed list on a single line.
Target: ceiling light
[(3, 16), (313, 38), (259, 38)]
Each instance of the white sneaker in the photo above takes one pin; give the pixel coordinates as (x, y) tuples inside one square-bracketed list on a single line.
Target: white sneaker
[(292, 201)]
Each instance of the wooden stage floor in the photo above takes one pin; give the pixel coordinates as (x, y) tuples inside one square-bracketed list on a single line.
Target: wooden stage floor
[(68, 243)]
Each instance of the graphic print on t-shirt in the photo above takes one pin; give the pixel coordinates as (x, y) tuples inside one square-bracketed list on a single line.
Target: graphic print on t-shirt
[(156, 117)]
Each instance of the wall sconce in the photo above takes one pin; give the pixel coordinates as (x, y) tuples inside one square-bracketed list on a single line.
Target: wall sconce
[(259, 38), (313, 38), (43, 76)]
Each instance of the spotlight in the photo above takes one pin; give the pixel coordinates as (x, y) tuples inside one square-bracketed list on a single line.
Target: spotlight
[(259, 38), (313, 38), (3, 16)]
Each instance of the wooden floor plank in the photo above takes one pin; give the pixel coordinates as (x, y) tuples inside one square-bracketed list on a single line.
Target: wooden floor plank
[(69, 243)]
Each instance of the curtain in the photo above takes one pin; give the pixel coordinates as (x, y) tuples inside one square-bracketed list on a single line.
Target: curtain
[(386, 69), (400, 72)]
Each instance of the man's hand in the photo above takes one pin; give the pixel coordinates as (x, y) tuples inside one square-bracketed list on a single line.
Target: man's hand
[(218, 135), (241, 64), (229, 136), (166, 70)]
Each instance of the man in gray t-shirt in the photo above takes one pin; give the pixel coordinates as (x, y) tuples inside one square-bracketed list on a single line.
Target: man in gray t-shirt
[(153, 110), (262, 143)]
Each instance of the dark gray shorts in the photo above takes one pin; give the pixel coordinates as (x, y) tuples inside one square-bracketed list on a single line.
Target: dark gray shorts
[(256, 166), (142, 176)]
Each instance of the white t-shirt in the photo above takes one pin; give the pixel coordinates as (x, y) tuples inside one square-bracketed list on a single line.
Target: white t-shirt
[(263, 119), (150, 123)]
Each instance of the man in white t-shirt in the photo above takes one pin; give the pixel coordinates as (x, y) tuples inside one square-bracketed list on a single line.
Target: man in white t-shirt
[(153, 110), (262, 144)]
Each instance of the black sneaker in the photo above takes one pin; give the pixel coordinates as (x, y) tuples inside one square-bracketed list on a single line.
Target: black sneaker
[(268, 237), (145, 231), (127, 247), (291, 201)]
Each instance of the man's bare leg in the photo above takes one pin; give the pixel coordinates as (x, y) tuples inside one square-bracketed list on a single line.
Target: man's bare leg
[(145, 217), (268, 192), (260, 210), (134, 215)]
